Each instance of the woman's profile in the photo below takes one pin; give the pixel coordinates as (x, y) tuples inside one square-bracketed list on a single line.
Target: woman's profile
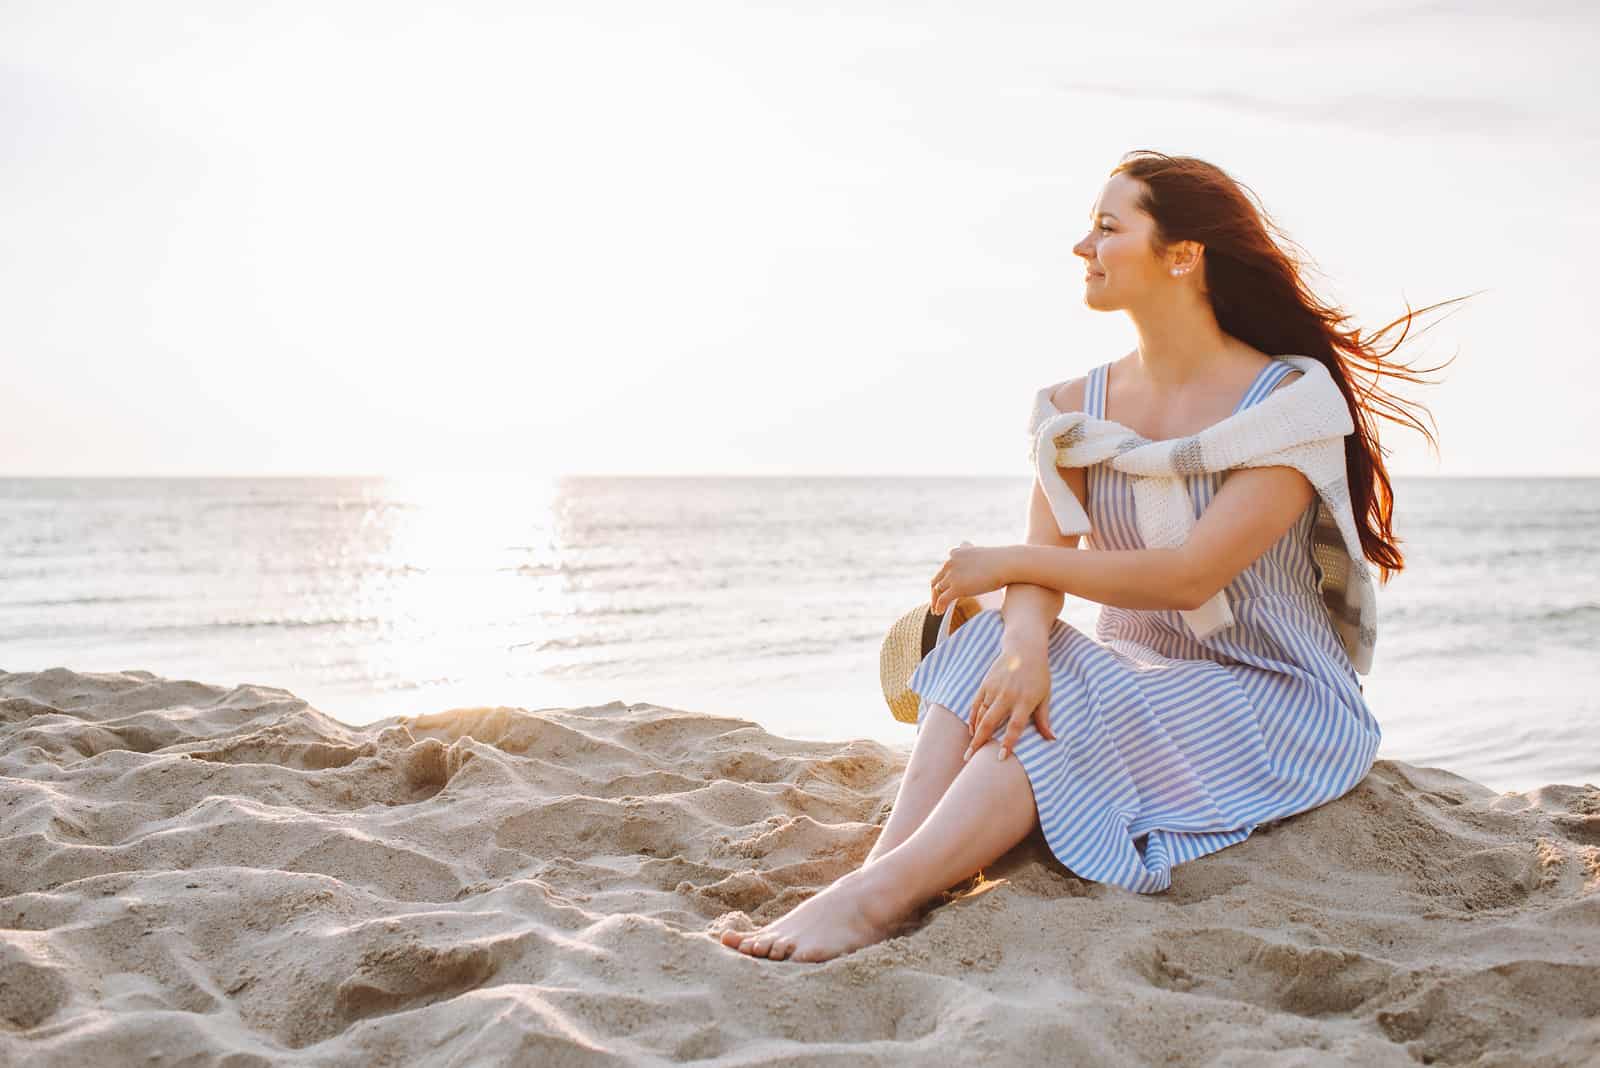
[(1153, 742)]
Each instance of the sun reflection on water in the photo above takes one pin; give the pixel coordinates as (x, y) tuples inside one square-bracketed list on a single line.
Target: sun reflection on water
[(447, 558)]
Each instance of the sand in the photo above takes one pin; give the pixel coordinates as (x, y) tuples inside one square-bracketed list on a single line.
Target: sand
[(201, 875)]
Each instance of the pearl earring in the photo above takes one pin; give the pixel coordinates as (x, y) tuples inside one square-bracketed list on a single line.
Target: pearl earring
[(1176, 272)]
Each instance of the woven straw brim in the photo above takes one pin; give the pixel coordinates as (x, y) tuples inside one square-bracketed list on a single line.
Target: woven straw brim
[(910, 638), (898, 658)]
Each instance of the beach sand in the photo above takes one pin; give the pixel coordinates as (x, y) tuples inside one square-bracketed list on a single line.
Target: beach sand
[(201, 875)]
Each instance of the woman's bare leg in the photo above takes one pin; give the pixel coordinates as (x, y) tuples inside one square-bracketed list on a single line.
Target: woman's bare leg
[(988, 809), (935, 762)]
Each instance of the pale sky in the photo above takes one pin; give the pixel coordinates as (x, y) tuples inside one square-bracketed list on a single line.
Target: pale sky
[(741, 238)]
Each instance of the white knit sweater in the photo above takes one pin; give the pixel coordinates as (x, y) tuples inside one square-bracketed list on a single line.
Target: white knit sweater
[(1301, 425)]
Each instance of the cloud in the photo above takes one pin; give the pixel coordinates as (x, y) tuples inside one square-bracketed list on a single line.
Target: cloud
[(1402, 113)]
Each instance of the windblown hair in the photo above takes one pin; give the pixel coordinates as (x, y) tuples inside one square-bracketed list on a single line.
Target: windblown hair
[(1253, 277)]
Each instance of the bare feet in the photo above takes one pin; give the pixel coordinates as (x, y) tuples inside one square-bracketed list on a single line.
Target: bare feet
[(853, 912)]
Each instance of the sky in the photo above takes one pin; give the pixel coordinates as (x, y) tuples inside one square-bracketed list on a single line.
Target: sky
[(743, 238)]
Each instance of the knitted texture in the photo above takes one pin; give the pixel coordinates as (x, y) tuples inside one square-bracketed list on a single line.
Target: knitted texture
[(1301, 425)]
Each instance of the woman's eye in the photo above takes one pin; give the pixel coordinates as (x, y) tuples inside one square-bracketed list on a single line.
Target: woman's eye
[(1107, 229)]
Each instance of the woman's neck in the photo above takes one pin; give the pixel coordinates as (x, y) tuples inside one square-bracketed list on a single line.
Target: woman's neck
[(1180, 343)]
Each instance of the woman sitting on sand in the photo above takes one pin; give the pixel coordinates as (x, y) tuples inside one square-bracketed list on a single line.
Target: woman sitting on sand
[(1147, 745)]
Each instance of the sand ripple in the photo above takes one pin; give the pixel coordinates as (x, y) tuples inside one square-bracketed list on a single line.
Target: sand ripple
[(194, 874)]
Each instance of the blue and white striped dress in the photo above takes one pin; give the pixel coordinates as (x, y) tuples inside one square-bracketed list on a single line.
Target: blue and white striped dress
[(1192, 743)]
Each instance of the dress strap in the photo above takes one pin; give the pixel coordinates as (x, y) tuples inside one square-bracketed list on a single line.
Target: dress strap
[(1094, 395), (1266, 378), (1094, 392)]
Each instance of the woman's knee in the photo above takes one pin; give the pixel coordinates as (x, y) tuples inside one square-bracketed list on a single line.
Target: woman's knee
[(948, 722)]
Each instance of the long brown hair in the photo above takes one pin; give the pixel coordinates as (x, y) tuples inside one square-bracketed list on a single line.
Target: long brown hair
[(1253, 274)]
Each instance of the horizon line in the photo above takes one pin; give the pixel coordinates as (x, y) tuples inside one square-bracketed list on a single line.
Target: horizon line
[(545, 476)]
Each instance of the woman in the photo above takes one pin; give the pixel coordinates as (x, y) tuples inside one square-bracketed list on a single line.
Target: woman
[(1176, 747)]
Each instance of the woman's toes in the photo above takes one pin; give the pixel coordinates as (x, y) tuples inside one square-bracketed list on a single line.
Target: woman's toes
[(757, 944)]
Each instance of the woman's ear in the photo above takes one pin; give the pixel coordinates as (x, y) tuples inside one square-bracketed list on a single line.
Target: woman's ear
[(1186, 256)]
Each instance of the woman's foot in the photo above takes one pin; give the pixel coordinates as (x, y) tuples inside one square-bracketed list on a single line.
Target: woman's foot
[(853, 912)]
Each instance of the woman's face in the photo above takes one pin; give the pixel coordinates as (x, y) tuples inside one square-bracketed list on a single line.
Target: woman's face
[(1122, 270)]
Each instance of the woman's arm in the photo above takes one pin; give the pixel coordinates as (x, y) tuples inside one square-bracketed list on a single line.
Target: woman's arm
[(1030, 608), (1253, 509)]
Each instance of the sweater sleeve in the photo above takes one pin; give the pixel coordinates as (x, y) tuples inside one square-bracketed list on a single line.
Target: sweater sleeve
[(1040, 410)]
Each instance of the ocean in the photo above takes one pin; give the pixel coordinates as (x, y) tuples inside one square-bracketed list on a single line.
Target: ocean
[(764, 598)]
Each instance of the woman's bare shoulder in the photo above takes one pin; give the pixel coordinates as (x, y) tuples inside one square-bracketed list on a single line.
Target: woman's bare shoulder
[(1068, 396)]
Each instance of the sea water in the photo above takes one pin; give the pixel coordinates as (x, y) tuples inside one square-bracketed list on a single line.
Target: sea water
[(763, 598)]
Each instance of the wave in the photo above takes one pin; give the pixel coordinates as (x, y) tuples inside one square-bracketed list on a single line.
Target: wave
[(56, 602), (284, 622), (1567, 612)]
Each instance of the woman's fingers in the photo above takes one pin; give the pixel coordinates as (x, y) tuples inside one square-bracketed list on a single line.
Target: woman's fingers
[(982, 729), (1041, 720), (996, 725), (943, 577), (1017, 720), (989, 722), (978, 707)]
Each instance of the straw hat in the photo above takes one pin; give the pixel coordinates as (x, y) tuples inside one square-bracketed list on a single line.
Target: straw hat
[(911, 638)]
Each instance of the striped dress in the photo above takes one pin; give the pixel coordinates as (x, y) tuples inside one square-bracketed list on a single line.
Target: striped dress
[(1168, 748)]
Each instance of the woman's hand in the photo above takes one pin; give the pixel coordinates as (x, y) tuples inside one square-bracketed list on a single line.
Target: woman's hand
[(1016, 689), (969, 571)]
